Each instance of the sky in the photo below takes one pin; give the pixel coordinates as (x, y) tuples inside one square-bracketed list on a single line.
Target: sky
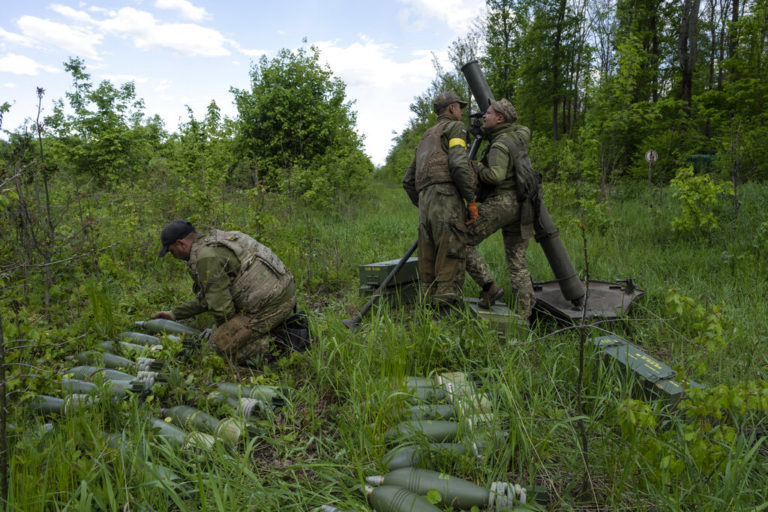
[(183, 53)]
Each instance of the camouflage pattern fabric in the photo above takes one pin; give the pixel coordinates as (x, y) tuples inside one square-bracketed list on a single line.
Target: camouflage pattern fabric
[(502, 211), (442, 242), (246, 335)]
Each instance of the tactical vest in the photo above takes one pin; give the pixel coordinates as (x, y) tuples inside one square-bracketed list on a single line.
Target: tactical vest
[(518, 155), (249, 289), (432, 159)]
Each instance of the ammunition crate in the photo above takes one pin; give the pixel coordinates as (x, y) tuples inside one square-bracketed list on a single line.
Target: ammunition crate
[(655, 376), (404, 293), (373, 274), (499, 316)]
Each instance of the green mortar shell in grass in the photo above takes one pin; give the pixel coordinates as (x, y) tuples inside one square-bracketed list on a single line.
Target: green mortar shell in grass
[(432, 412), (91, 372), (228, 429), (440, 431), (328, 508), (455, 492), (415, 382), (244, 406), (139, 338), (388, 498), (78, 386), (428, 393), (270, 394), (129, 348), (49, 405), (413, 455), (161, 325), (181, 439), (105, 359), (116, 388)]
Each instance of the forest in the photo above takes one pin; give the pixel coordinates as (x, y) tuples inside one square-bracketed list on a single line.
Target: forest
[(85, 191)]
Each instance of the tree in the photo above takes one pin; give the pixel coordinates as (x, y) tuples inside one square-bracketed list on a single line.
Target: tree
[(297, 127)]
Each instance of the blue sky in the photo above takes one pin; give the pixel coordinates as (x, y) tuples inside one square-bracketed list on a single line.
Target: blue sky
[(189, 52)]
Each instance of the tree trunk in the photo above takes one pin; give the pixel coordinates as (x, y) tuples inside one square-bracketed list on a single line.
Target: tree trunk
[(687, 48)]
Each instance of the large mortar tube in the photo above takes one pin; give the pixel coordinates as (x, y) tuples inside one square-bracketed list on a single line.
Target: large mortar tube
[(477, 84), (546, 232)]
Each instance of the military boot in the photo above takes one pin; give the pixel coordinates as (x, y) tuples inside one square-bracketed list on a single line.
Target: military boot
[(489, 298)]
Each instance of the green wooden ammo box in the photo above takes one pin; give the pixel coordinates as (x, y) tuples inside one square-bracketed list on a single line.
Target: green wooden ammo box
[(655, 375), (373, 274), (499, 316)]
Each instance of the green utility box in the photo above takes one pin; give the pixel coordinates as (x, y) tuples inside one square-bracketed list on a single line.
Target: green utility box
[(373, 274), (499, 316), (655, 375)]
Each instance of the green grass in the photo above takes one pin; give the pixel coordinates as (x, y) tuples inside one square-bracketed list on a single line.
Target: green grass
[(319, 448)]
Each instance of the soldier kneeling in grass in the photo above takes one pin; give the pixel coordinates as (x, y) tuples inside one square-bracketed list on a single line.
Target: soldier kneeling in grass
[(241, 282)]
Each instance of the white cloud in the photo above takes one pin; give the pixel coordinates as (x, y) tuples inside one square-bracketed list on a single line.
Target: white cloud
[(73, 14), (382, 86), (73, 40), (12, 38), (147, 33), (185, 8), (21, 65), (10, 85), (457, 14), (246, 51)]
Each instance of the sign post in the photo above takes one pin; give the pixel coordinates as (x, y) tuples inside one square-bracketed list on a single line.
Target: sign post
[(650, 156)]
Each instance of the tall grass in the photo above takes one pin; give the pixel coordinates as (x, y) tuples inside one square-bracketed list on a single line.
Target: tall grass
[(319, 448)]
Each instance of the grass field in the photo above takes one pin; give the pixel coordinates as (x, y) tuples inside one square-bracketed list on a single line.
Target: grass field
[(585, 433)]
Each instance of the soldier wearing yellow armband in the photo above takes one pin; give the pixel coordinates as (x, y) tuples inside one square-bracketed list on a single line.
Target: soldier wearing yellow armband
[(440, 183)]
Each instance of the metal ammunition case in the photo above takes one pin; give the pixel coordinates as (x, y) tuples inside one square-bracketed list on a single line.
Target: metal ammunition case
[(655, 376), (373, 274)]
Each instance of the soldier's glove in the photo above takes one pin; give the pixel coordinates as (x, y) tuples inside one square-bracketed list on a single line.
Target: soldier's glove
[(471, 213)]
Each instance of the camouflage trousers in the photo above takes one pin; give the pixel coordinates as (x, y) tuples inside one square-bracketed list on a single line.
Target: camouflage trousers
[(442, 243), (502, 211), (248, 333)]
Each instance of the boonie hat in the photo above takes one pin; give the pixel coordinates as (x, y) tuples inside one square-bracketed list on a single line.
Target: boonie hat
[(174, 230), (445, 99)]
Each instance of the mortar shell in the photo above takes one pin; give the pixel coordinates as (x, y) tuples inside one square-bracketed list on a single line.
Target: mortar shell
[(433, 430), (388, 498), (90, 372), (129, 348), (190, 418), (139, 338), (414, 455), (244, 406), (431, 412), (270, 394), (161, 325), (455, 492), (230, 429)]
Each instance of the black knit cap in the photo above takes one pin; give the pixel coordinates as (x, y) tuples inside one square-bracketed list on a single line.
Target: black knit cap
[(174, 230)]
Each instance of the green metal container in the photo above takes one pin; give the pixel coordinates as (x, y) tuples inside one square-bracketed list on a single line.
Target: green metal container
[(373, 274), (388, 498), (440, 431), (161, 325)]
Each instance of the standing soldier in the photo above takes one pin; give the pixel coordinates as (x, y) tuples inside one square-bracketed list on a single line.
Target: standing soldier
[(511, 187), (439, 182), (241, 282)]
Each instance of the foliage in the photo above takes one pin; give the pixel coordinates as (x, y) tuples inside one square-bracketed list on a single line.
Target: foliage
[(699, 198), (296, 126), (106, 136)]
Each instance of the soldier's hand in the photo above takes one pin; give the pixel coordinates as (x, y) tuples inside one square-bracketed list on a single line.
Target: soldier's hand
[(471, 213)]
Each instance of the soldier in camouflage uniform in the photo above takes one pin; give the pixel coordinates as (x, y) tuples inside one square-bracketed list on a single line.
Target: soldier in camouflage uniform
[(240, 281), (510, 186), (439, 182)]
